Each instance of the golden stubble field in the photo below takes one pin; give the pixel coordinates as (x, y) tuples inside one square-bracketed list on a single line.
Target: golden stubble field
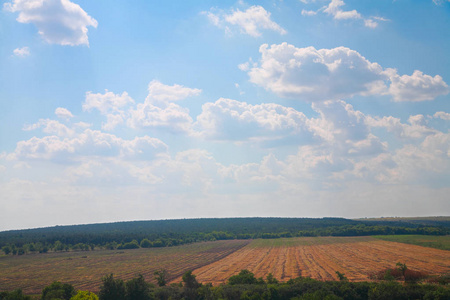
[(321, 257), (215, 262)]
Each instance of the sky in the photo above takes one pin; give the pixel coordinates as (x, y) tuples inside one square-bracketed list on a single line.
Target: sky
[(144, 110)]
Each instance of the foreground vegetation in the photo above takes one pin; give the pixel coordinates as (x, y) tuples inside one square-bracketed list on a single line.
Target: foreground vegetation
[(246, 286), (166, 233)]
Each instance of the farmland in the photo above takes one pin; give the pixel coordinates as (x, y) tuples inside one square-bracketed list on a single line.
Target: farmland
[(215, 262), (84, 269), (438, 242), (321, 257)]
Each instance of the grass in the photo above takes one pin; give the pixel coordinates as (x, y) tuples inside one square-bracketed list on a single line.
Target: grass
[(438, 242), (307, 241)]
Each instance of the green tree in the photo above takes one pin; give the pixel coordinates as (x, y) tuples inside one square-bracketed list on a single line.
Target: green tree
[(6, 249), (244, 277), (14, 295), (58, 290), (161, 277), (145, 243), (112, 289), (402, 268), (271, 279), (84, 295), (341, 276), (191, 285), (138, 289)]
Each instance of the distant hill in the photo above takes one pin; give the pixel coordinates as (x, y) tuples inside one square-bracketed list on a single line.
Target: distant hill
[(161, 233)]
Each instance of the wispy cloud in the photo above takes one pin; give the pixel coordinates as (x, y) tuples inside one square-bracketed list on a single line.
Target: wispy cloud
[(22, 52)]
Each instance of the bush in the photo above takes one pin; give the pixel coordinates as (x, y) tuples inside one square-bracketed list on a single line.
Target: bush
[(58, 290), (84, 295), (244, 277)]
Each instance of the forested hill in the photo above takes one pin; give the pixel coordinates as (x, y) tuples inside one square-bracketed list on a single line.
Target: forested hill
[(175, 232)]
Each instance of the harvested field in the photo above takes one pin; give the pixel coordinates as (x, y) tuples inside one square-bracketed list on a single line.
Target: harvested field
[(84, 270), (215, 262), (320, 258)]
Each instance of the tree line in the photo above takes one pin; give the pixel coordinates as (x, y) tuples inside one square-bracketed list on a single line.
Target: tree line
[(148, 234)]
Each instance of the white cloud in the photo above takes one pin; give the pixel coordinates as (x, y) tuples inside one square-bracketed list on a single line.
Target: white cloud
[(313, 75), (417, 87), (316, 74), (22, 52), (89, 143), (228, 119), (63, 113), (250, 21), (416, 129), (370, 23), (442, 115), (58, 21), (51, 127), (169, 116), (159, 111), (334, 9), (308, 12), (107, 102), (165, 93)]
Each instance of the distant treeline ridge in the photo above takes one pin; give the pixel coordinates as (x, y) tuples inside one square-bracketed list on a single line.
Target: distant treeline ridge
[(166, 233)]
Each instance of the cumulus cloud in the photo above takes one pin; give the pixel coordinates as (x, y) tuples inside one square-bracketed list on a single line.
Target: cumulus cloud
[(163, 115), (22, 52), (159, 111), (442, 115), (334, 9), (416, 128), (417, 87), (312, 75), (107, 102), (228, 119), (250, 21), (63, 113), (316, 74), (88, 143), (165, 93), (58, 21), (50, 127)]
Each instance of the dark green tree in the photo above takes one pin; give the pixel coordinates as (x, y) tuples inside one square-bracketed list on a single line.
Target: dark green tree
[(14, 295), (161, 277), (6, 249), (271, 279), (112, 289), (244, 277), (58, 290), (138, 289), (145, 243), (190, 285)]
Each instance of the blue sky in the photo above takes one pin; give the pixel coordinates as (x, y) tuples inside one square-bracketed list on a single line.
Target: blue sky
[(136, 110)]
